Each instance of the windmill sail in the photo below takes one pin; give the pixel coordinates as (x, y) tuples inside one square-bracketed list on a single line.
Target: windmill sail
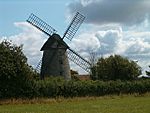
[(74, 26), (41, 25), (38, 67), (76, 58)]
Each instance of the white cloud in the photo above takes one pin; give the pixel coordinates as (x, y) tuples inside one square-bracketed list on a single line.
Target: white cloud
[(131, 44), (101, 41), (108, 40), (32, 40), (85, 42)]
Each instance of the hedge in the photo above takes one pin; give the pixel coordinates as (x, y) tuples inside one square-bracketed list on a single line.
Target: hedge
[(57, 87)]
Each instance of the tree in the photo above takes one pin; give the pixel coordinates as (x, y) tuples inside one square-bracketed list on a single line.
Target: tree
[(15, 73), (115, 67)]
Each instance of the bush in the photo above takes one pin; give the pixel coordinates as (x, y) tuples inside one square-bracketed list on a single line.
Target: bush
[(114, 68), (15, 74), (60, 88)]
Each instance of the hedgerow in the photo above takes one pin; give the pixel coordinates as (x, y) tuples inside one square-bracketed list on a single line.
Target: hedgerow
[(58, 87), (91, 88)]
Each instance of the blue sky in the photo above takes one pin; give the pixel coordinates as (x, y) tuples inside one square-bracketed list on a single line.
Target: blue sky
[(111, 27), (51, 11)]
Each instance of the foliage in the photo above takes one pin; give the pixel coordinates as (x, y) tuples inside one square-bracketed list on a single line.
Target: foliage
[(15, 73), (55, 87), (58, 87), (115, 67)]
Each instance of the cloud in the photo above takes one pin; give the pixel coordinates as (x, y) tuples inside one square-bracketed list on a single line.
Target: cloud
[(32, 40), (126, 12), (116, 27), (103, 42), (85, 42), (132, 44), (108, 40)]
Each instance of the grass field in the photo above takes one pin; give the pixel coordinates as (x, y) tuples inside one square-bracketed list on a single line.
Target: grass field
[(106, 104)]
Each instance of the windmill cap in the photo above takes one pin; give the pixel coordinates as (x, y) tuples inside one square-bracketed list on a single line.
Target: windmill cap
[(53, 42)]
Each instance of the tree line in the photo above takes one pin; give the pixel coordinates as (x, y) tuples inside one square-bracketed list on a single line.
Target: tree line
[(112, 75)]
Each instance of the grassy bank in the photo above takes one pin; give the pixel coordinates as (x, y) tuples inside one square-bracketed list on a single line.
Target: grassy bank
[(106, 104)]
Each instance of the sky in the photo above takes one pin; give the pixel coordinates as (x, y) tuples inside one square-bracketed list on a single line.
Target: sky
[(111, 27)]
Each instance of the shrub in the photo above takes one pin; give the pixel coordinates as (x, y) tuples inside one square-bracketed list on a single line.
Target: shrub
[(15, 74), (114, 68), (55, 88)]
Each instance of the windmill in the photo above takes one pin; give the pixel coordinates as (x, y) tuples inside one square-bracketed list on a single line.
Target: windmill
[(55, 50)]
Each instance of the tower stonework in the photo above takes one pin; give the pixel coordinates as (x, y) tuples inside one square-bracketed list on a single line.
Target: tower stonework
[(55, 60)]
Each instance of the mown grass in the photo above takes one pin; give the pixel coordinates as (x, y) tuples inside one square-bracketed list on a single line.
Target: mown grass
[(106, 104)]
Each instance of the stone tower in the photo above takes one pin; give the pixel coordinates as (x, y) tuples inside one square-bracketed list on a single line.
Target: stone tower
[(55, 60)]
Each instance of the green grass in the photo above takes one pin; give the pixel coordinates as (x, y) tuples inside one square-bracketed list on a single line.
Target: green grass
[(106, 104)]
